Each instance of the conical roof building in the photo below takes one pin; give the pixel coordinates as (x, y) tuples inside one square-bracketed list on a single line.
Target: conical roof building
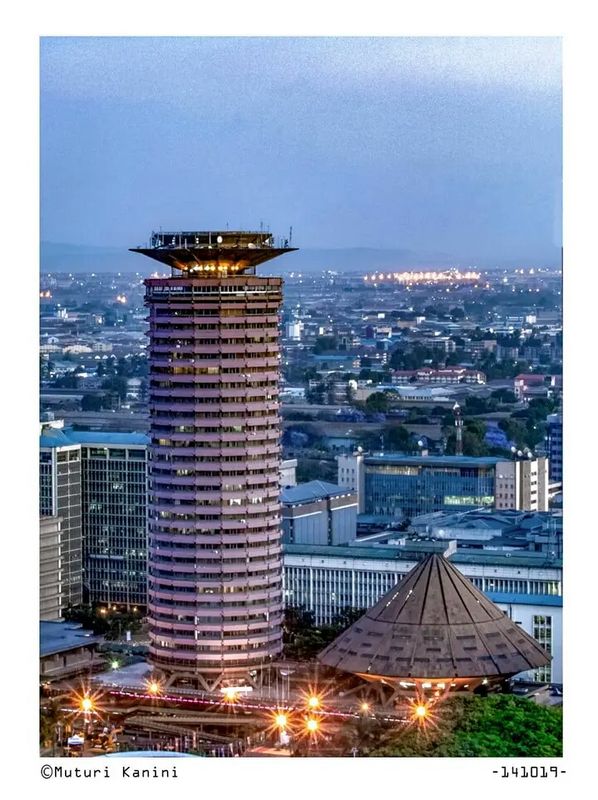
[(434, 626)]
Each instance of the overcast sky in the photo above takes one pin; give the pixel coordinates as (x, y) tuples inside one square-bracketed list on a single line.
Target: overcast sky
[(428, 144)]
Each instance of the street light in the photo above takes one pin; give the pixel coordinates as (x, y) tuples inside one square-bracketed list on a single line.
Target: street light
[(365, 707), (312, 725), (230, 694), (86, 704), (281, 721), (153, 687), (313, 701)]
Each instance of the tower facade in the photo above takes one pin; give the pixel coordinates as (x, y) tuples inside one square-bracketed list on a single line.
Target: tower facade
[(214, 529)]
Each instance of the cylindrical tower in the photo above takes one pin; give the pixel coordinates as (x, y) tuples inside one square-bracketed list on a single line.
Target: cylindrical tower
[(214, 558)]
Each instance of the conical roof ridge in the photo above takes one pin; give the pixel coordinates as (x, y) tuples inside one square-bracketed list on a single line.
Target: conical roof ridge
[(434, 624)]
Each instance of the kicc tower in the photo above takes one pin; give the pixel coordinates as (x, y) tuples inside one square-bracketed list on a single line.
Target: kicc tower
[(214, 559)]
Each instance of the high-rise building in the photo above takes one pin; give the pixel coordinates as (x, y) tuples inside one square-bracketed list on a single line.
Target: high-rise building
[(215, 568), (554, 430), (51, 604), (114, 516), (97, 481), (60, 496)]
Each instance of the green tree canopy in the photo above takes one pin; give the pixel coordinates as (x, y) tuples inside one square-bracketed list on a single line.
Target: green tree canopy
[(498, 726)]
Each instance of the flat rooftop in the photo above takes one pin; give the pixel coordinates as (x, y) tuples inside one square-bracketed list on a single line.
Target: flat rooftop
[(415, 550), (433, 461), (66, 437), (56, 637)]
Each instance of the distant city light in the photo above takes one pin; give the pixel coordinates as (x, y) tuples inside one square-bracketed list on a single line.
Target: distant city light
[(453, 275)]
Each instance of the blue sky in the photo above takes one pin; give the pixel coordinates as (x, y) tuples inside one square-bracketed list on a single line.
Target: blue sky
[(428, 144)]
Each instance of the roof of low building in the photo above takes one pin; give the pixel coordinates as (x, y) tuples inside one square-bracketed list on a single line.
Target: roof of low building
[(413, 550), (67, 437), (434, 624), (312, 490), (56, 637), (434, 461)]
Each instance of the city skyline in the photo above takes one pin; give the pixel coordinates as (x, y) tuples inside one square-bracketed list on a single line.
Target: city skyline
[(424, 163)]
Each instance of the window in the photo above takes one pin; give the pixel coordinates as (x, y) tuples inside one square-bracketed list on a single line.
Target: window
[(542, 632)]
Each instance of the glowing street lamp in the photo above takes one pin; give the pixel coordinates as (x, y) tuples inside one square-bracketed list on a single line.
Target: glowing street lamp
[(86, 704), (230, 694), (365, 707), (281, 721), (115, 664), (312, 725), (313, 701), (153, 687), (420, 711)]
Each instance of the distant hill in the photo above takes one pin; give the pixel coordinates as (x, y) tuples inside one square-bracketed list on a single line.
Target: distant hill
[(83, 258)]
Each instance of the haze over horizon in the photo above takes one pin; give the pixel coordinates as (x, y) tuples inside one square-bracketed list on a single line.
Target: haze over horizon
[(429, 148)]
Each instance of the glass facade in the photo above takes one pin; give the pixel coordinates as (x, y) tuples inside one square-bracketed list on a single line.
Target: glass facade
[(406, 491), (46, 483), (555, 446), (114, 483)]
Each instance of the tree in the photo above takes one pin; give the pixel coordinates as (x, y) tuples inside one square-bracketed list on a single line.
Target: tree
[(397, 437), (69, 381), (117, 384), (505, 396), (51, 715), (324, 344), (498, 726), (378, 401), (91, 402)]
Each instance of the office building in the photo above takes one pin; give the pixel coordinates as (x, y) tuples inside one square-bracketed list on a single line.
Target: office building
[(526, 586), (554, 425), (522, 484), (395, 486), (99, 482), (51, 601), (215, 564), (318, 512), (60, 496), (114, 515)]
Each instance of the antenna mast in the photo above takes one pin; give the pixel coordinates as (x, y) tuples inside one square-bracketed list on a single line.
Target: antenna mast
[(458, 429)]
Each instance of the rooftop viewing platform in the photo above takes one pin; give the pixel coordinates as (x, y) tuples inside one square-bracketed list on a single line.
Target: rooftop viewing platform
[(214, 253)]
